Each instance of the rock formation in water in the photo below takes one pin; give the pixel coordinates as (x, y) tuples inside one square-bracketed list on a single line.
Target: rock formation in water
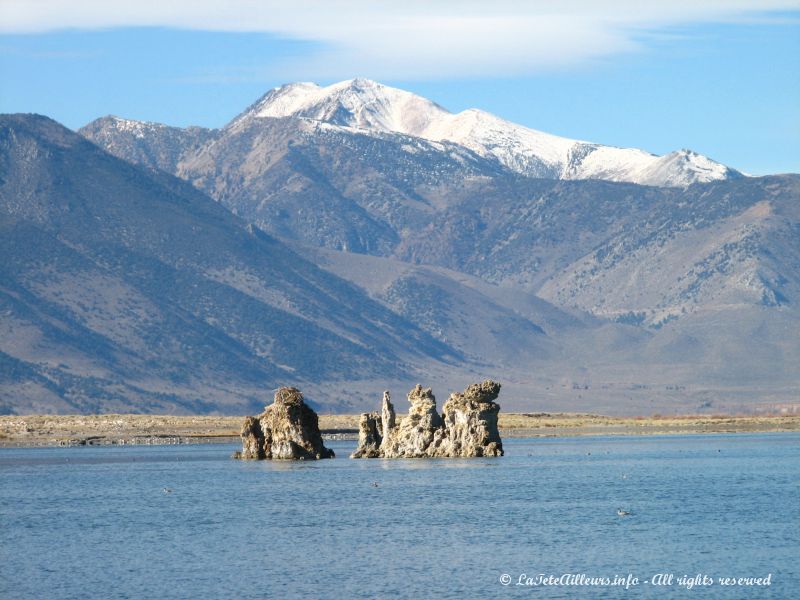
[(467, 427), (287, 429)]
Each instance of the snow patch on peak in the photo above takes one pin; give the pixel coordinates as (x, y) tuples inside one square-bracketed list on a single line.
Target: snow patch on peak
[(676, 169), (684, 167), (359, 83), (138, 129), (285, 100), (519, 148), (358, 103), (594, 161)]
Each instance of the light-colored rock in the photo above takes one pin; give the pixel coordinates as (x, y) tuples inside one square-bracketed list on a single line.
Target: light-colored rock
[(287, 429), (387, 415), (411, 437), (467, 428), (369, 436), (470, 423)]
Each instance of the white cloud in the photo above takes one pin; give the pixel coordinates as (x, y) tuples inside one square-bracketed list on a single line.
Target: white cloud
[(406, 38)]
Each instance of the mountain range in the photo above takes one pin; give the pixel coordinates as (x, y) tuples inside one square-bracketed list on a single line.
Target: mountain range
[(369, 106), (354, 237), (130, 290)]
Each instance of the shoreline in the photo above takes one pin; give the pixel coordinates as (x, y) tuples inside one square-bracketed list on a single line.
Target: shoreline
[(115, 429)]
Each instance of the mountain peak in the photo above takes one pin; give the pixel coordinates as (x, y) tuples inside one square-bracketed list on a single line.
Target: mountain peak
[(358, 103), (361, 83)]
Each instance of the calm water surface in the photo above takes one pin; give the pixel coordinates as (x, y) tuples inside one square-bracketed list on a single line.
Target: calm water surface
[(95, 523)]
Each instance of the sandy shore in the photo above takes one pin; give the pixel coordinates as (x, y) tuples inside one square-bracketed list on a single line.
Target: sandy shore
[(76, 430)]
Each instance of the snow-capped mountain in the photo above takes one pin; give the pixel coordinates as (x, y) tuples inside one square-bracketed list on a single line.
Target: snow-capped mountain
[(370, 106), (358, 103), (610, 286)]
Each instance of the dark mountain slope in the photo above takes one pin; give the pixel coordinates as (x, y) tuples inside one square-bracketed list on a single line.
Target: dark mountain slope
[(324, 186), (130, 290)]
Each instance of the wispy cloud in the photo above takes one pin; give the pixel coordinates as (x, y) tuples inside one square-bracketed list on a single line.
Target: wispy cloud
[(66, 55), (412, 38)]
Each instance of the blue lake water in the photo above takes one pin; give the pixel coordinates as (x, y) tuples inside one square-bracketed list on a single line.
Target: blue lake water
[(95, 523)]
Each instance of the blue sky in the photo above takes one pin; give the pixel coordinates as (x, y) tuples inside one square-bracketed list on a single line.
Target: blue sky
[(723, 81)]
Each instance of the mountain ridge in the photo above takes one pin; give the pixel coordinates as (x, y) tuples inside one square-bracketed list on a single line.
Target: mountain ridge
[(369, 105)]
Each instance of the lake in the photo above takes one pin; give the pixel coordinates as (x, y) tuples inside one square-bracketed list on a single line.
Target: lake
[(94, 522)]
